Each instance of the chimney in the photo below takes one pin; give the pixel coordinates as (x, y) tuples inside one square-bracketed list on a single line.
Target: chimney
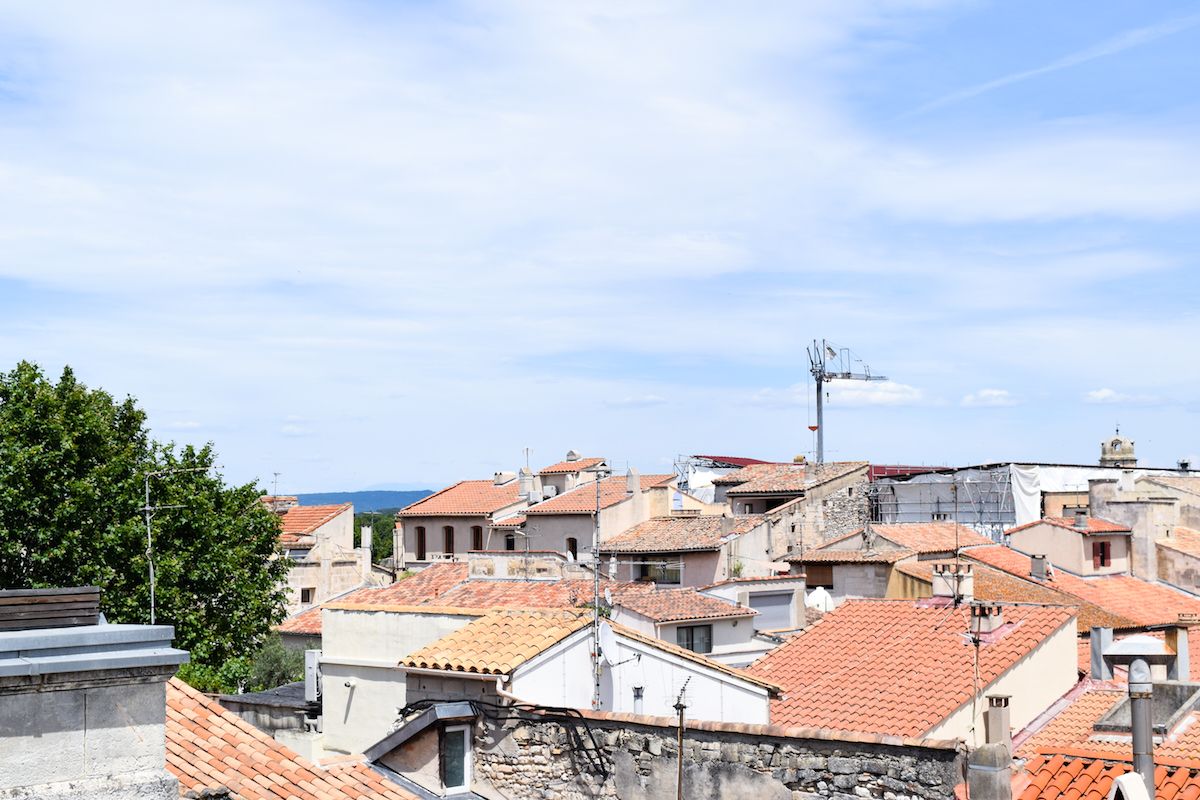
[(1038, 567), (633, 483), (526, 491), (997, 723), (1081, 520), (953, 580), (986, 617), (1100, 640), (1125, 482), (989, 773), (1177, 640), (365, 535), (573, 455), (501, 478), (1184, 464)]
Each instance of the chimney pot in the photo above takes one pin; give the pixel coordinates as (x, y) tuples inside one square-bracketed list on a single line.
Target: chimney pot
[(1038, 567), (998, 724), (986, 617), (1081, 520)]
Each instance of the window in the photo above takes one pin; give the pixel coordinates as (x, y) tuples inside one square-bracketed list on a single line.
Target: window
[(1101, 554), (697, 638), (573, 546), (306, 596), (420, 544), (448, 540), (818, 575), (637, 699), (510, 541), (748, 508), (297, 555), (476, 537), (456, 758), (667, 574), (940, 516)]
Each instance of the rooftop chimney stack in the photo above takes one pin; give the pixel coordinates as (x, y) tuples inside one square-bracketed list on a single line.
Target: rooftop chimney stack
[(526, 491), (1177, 640), (1039, 567), (633, 482), (501, 478), (1100, 639), (997, 722), (954, 580), (989, 773), (1081, 520), (1185, 464), (986, 617)]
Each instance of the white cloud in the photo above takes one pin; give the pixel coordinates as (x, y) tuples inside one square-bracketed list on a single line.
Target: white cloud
[(882, 393), (989, 398), (1108, 396)]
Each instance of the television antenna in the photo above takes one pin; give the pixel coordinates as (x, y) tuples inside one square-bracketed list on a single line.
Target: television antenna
[(827, 363), (150, 511)]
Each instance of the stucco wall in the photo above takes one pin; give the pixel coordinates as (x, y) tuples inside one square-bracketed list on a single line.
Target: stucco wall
[(1149, 519), (1179, 569), (363, 649), (435, 537), (860, 580), (1045, 674)]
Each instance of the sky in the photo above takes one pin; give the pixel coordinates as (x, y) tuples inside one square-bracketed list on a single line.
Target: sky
[(394, 244)]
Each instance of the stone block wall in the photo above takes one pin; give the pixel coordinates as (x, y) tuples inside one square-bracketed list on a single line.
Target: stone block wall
[(541, 759)]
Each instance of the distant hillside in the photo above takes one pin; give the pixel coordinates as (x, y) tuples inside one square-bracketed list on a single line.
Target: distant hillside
[(365, 501)]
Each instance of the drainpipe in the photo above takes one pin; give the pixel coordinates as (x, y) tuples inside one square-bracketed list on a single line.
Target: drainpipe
[(1140, 707)]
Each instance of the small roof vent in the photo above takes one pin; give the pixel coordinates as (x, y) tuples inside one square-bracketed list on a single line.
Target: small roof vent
[(986, 617), (573, 455), (501, 478)]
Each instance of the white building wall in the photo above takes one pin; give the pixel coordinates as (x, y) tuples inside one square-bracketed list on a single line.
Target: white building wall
[(562, 676), (361, 683)]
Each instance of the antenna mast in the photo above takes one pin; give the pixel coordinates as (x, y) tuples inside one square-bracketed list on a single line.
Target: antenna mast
[(827, 364)]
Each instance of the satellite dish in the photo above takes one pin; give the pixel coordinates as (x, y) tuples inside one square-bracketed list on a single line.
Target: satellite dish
[(819, 599), (608, 595), (608, 643)]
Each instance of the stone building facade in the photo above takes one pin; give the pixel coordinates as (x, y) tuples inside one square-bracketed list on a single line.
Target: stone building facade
[(636, 759)]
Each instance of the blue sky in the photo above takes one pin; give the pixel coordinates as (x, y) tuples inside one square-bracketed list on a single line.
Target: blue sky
[(371, 244)]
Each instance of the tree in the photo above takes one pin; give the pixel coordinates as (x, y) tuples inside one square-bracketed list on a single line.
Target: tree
[(383, 525), (73, 466)]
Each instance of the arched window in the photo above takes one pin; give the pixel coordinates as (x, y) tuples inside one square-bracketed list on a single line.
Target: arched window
[(476, 537), (573, 546), (448, 543), (420, 544), (510, 541)]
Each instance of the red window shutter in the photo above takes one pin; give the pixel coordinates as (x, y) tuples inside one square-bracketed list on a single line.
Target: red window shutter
[(1097, 554)]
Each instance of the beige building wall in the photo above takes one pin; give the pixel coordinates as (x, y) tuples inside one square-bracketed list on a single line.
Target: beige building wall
[(1071, 551), (1044, 675), (332, 566), (1144, 509), (1179, 569)]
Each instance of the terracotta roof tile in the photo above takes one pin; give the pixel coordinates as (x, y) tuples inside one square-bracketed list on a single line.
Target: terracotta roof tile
[(999, 586), (1184, 540), (465, 498), (1075, 776), (563, 467), (498, 642), (1095, 525), (447, 586), (1138, 602), (209, 747), (673, 605), (835, 556), (893, 667), (299, 521), (927, 537), (582, 500), (769, 478), (676, 534)]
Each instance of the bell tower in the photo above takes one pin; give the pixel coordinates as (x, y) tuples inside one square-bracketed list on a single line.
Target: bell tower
[(1117, 451)]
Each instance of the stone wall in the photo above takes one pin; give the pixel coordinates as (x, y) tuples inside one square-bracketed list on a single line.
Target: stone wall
[(541, 759)]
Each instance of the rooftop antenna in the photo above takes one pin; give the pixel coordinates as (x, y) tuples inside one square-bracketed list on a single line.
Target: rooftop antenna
[(826, 364), (275, 484), (527, 452), (149, 511)]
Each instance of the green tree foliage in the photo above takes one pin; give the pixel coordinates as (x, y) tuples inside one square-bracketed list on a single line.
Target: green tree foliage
[(382, 523), (73, 462)]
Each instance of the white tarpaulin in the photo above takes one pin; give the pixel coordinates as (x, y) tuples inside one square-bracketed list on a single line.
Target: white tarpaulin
[(1030, 481)]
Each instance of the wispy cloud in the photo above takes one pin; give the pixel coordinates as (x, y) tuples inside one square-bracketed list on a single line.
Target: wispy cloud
[(1117, 44), (989, 398), (1108, 396)]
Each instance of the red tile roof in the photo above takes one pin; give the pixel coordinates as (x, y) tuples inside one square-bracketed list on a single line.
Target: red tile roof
[(1183, 540), (676, 534), (498, 642), (929, 537), (894, 666), (582, 500), (299, 521), (675, 605), (998, 586), (209, 747), (787, 478), (509, 522), (1080, 778), (1071, 729), (578, 465), (835, 556), (447, 585), (1094, 525), (1137, 601), (465, 499)]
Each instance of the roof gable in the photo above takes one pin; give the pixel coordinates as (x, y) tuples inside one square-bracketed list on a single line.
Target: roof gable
[(466, 498), (582, 499)]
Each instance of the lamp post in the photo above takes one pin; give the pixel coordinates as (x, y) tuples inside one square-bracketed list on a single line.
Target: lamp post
[(599, 471)]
